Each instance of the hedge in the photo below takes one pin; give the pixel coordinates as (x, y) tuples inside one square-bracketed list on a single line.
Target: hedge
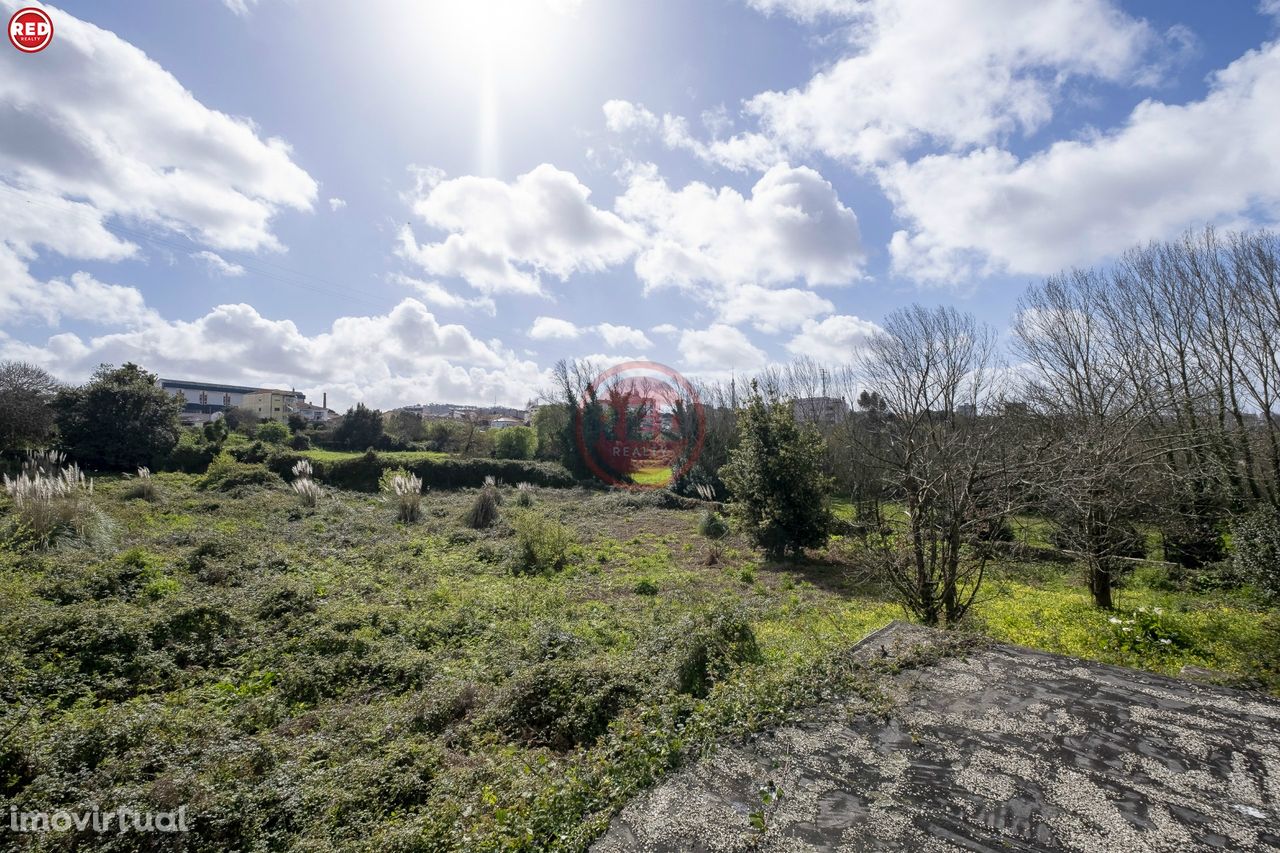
[(361, 473)]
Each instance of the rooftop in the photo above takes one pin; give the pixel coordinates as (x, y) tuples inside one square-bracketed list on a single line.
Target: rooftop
[(1003, 748)]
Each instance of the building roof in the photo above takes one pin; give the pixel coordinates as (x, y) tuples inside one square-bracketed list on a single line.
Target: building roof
[(999, 748), (208, 386)]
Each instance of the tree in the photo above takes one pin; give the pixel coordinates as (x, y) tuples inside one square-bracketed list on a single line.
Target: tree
[(238, 418), (361, 428), (120, 420), (26, 416), (273, 432), (929, 377), (405, 426), (297, 423), (551, 423), (516, 442), (775, 477)]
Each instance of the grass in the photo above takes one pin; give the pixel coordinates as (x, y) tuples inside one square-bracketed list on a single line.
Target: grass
[(652, 475), (333, 678)]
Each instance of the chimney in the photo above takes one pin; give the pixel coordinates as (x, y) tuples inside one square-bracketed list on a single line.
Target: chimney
[(325, 404)]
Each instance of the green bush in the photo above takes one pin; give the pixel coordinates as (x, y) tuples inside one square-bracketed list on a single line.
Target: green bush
[(712, 525), (542, 544), (192, 454), (273, 432), (565, 703), (364, 473), (709, 648), (517, 442), (1256, 539), (225, 474)]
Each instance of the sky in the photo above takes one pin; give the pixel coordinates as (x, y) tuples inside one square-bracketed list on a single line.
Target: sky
[(410, 201)]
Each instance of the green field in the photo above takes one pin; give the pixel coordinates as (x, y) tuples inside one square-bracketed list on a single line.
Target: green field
[(329, 678), (401, 457)]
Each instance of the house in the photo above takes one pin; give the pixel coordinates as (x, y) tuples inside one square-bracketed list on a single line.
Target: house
[(504, 422)]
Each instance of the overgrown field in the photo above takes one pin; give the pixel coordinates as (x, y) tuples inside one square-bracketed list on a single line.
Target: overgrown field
[(330, 678)]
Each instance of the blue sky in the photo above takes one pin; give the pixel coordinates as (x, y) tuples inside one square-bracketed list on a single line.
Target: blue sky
[(428, 201)]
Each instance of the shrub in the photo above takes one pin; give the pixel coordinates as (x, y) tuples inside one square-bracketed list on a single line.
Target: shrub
[(225, 474), (542, 544), (645, 587), (707, 649), (192, 454), (408, 491), (1256, 539), (484, 510), (49, 503), (361, 428), (300, 441), (524, 495), (777, 481), (517, 442), (712, 525), (273, 432), (364, 473), (564, 703), (143, 488)]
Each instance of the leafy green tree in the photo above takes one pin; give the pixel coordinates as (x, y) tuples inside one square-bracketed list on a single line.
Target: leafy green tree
[(26, 418), (405, 426), (119, 420), (361, 428), (273, 432), (775, 476), (515, 442), (238, 418), (297, 423), (551, 423)]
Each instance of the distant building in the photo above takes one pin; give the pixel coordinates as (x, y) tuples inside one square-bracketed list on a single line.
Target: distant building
[(820, 410), (275, 405), (208, 401), (205, 401), (504, 422)]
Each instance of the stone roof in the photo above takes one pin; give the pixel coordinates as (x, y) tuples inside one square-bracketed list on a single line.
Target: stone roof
[(1003, 748)]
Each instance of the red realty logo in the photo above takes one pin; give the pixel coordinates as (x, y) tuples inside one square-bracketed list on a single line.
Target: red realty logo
[(30, 30)]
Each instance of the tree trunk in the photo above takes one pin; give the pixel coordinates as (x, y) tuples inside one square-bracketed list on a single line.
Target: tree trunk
[(1100, 582)]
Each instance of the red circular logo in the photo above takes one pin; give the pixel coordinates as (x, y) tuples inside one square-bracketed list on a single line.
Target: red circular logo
[(640, 425), (30, 30)]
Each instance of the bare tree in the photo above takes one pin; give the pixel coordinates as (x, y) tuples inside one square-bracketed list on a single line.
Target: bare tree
[(26, 417), (933, 369)]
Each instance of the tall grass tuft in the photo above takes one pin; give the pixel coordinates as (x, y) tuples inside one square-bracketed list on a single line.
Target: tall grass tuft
[(408, 491), (144, 487), (308, 490), (524, 494), (484, 511), (302, 470), (48, 503)]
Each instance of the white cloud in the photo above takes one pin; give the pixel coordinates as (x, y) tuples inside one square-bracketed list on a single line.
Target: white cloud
[(384, 360), (81, 297), (1168, 167), (433, 293), (792, 227), (623, 116), (623, 336), (506, 236), (808, 10), (665, 329), (552, 328), (336, 204), (771, 310), (835, 340), (98, 121), (954, 74), (720, 347), (218, 264)]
